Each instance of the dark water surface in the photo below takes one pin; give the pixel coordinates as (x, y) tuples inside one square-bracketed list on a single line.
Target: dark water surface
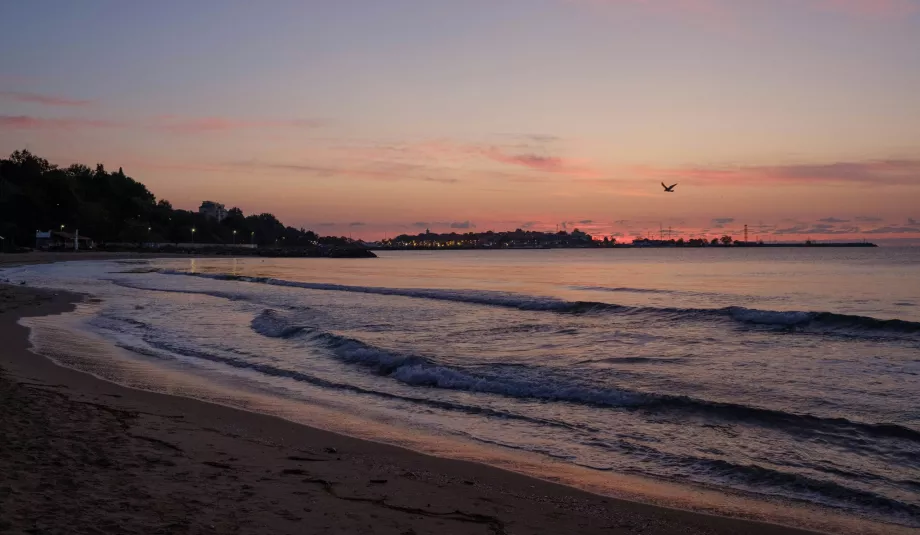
[(786, 372)]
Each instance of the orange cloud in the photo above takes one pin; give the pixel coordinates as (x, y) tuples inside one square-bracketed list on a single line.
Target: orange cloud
[(35, 98)]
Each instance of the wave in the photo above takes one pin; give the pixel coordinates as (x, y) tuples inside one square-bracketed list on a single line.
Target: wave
[(790, 421), (761, 480), (476, 297), (827, 322), (821, 320), (633, 360), (539, 384), (352, 351), (418, 374), (419, 371), (532, 383), (749, 477), (625, 290), (274, 325)]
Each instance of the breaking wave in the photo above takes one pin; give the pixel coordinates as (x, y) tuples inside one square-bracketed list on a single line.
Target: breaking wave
[(788, 320), (538, 384), (274, 325)]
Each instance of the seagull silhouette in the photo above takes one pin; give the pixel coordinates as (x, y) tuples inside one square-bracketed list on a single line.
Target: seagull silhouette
[(668, 189)]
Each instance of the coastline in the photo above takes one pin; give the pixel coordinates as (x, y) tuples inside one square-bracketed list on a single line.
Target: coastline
[(152, 461), (25, 259)]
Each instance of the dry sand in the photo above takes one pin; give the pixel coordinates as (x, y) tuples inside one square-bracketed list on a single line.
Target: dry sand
[(81, 455)]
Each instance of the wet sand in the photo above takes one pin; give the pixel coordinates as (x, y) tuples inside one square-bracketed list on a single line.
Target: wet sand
[(82, 455), (40, 257)]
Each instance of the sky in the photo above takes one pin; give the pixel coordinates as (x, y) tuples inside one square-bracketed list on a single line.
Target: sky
[(372, 118)]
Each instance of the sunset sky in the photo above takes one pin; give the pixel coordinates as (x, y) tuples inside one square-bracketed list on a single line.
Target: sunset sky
[(379, 117)]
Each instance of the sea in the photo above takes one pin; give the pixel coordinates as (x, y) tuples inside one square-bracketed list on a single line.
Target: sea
[(788, 376)]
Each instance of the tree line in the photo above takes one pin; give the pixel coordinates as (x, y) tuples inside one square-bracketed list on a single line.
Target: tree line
[(113, 207)]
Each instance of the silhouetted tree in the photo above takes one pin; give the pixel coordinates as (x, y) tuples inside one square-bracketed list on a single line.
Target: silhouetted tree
[(37, 195)]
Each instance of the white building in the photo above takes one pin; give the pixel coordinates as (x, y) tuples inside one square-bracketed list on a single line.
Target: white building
[(214, 210)]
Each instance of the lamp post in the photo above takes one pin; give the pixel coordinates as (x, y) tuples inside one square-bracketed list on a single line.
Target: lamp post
[(193, 234), (234, 237), (252, 238)]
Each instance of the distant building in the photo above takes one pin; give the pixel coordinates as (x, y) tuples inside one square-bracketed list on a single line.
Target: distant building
[(61, 240), (213, 210)]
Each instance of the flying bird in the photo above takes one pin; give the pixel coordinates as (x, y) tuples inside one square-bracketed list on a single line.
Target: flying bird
[(668, 189)]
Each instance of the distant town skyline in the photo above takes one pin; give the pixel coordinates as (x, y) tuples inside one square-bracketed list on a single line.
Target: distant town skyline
[(799, 118)]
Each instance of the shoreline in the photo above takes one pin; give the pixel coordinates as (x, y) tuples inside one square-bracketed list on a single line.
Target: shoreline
[(39, 257), (463, 496), (844, 245)]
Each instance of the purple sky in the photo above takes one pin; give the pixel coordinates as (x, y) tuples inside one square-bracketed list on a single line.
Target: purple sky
[(797, 117)]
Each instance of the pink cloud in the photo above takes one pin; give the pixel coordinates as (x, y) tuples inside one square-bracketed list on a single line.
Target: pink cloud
[(537, 162), (721, 8), (435, 151), (871, 7), (532, 161), (28, 122), (441, 152), (188, 125), (219, 124), (431, 171), (698, 6), (718, 13), (43, 99), (375, 170), (173, 166), (870, 173)]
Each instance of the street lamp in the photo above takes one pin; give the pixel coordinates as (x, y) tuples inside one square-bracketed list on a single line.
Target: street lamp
[(193, 234), (252, 238), (234, 237)]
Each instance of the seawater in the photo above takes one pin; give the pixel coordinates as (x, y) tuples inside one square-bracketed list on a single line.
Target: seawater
[(784, 373)]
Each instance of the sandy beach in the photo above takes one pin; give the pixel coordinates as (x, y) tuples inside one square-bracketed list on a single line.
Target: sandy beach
[(81, 455)]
